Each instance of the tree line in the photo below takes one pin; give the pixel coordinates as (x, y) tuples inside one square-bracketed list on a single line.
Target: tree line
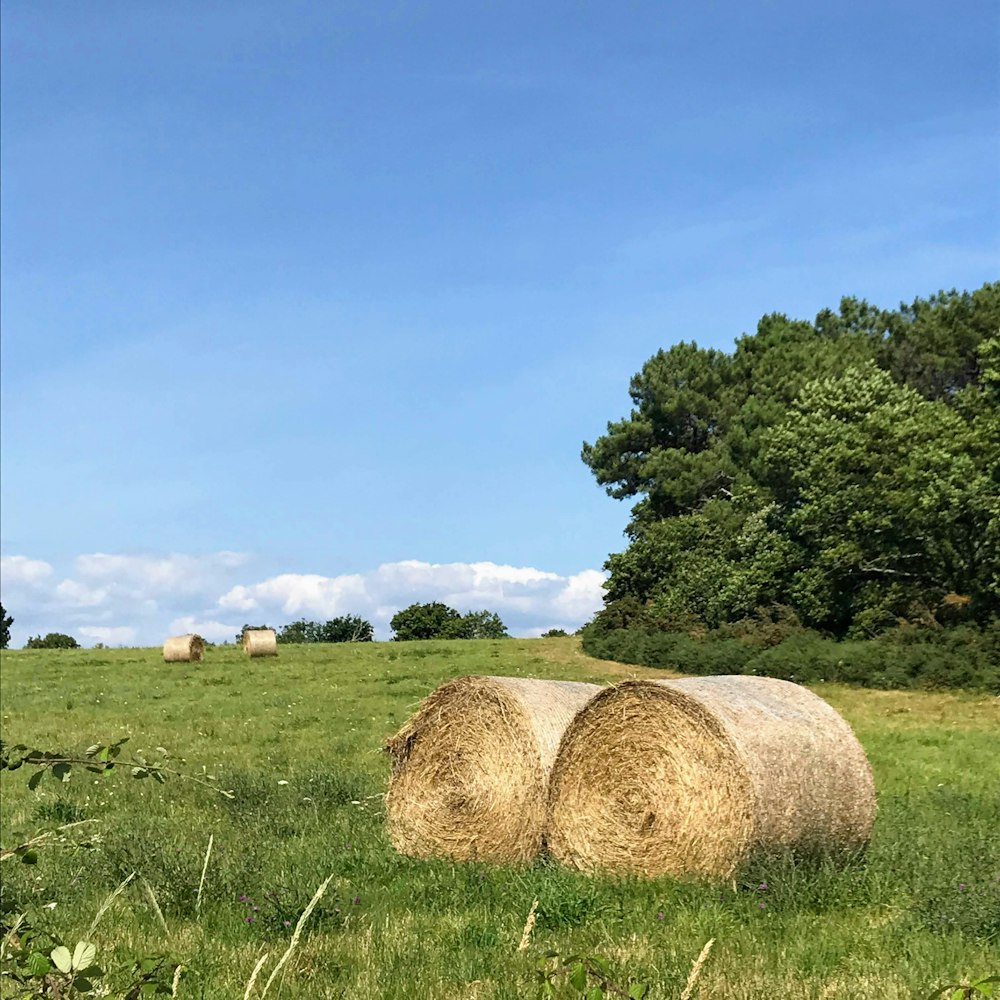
[(843, 472)]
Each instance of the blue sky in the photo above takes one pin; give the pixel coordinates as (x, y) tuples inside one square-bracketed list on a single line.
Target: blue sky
[(308, 308)]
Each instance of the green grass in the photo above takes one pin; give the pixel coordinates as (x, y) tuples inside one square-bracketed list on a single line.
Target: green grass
[(893, 926)]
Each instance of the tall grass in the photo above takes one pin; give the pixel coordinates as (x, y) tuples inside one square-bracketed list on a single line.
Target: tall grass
[(298, 740)]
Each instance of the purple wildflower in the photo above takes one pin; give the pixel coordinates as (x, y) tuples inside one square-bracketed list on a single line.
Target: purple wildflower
[(961, 887), (661, 915), (249, 920), (762, 905), (763, 887), (244, 899)]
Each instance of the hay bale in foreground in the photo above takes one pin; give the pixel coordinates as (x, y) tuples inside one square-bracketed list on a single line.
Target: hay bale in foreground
[(470, 769), (694, 776), (184, 649), (260, 642)]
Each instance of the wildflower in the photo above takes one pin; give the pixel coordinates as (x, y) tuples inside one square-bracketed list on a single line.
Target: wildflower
[(661, 915), (762, 887), (287, 923), (961, 887), (249, 920), (256, 909), (282, 782), (356, 900), (244, 899), (762, 905)]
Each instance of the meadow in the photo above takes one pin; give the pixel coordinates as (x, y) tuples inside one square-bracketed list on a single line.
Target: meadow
[(297, 741)]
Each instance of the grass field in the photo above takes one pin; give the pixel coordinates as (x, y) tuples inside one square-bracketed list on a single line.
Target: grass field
[(298, 739)]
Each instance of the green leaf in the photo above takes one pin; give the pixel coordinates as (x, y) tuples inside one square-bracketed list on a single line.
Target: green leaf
[(601, 964), (35, 779), (578, 977), (82, 985), (94, 750), (62, 959), (548, 989), (594, 993), (29, 857), (84, 955), (38, 964), (638, 990), (140, 772), (61, 771)]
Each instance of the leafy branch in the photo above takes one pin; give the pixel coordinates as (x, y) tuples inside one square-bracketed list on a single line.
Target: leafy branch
[(588, 976), (967, 991), (98, 759)]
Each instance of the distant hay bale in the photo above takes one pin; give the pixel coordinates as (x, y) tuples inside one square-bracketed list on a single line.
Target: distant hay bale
[(695, 776), (470, 769), (260, 642), (184, 649)]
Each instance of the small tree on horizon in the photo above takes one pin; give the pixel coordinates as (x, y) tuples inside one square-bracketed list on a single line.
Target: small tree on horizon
[(5, 623), (439, 621), (52, 640), (345, 628)]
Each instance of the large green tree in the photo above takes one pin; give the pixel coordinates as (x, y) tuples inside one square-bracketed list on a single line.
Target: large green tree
[(886, 498), (848, 467)]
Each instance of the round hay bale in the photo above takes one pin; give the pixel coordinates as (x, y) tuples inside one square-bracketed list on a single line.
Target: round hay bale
[(260, 642), (470, 769), (184, 649), (694, 776)]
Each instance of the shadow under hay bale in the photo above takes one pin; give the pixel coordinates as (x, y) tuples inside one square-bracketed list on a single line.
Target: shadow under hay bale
[(695, 776), (184, 649), (260, 642), (470, 769)]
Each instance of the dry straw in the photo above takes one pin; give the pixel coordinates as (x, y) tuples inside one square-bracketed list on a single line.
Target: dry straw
[(260, 642), (184, 649), (470, 769), (692, 777)]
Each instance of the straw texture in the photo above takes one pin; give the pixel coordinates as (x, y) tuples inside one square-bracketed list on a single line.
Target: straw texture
[(470, 769), (260, 642), (184, 649), (693, 776)]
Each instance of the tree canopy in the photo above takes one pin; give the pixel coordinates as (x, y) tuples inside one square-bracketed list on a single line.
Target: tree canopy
[(52, 640), (5, 623), (345, 628), (439, 621), (848, 469)]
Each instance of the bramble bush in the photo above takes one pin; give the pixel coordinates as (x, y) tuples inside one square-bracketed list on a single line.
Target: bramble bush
[(961, 657)]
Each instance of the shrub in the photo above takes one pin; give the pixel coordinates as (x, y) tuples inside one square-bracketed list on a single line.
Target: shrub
[(53, 640), (964, 657)]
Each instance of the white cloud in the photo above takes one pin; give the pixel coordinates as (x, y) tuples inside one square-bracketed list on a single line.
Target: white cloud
[(107, 591), (295, 593), (128, 599), (16, 571), (119, 635), (212, 630), (154, 575), (75, 594), (529, 600)]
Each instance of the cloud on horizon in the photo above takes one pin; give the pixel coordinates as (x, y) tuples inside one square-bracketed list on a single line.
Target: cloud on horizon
[(140, 599)]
